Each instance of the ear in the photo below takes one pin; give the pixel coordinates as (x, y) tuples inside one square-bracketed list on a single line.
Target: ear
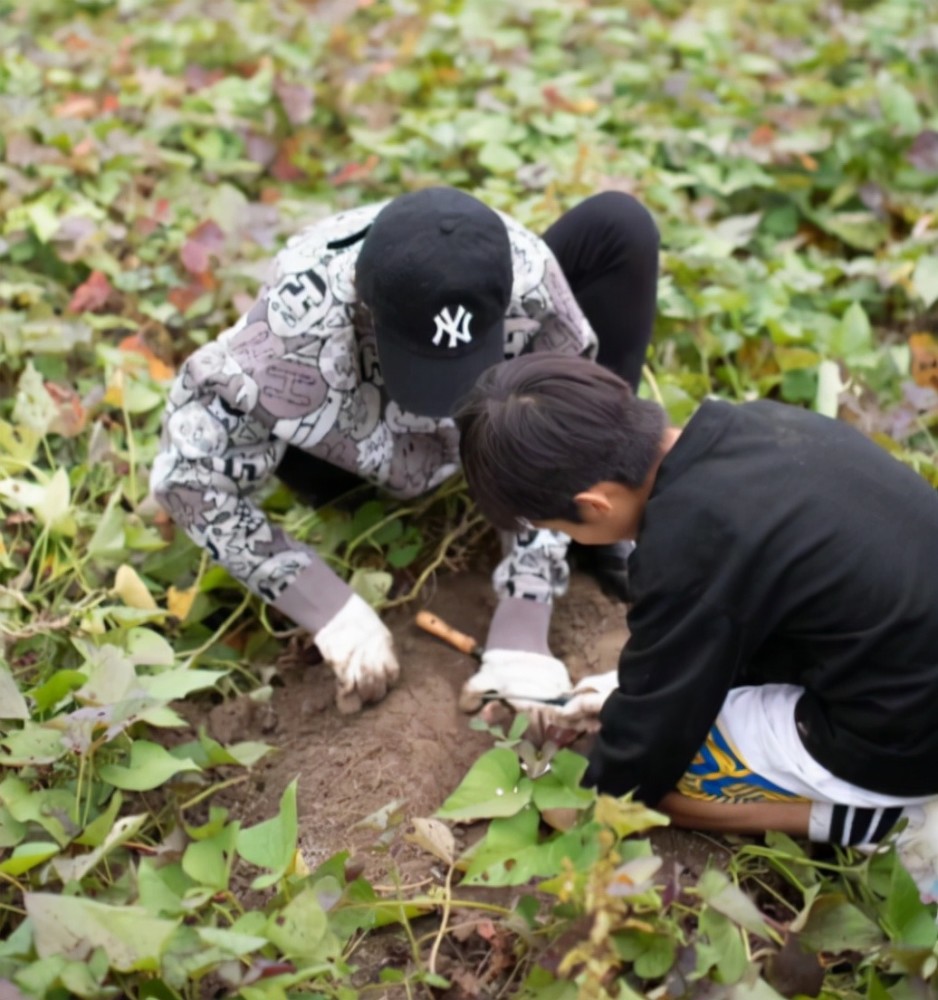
[(594, 500)]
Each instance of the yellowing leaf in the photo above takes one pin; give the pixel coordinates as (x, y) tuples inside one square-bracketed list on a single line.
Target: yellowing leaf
[(434, 837), (53, 508), (132, 590), (179, 602), (627, 817)]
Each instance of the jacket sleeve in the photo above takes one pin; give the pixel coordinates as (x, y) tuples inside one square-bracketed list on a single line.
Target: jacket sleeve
[(674, 674), (233, 409)]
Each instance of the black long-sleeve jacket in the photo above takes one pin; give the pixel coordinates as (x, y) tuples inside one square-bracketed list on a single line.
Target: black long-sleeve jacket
[(779, 545)]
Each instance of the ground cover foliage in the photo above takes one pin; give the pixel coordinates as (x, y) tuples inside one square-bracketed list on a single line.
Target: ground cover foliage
[(152, 156)]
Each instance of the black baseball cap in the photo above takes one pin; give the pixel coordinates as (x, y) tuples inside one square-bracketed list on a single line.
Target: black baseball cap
[(435, 271)]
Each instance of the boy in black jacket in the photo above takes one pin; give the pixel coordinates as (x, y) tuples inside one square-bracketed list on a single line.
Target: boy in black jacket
[(782, 669)]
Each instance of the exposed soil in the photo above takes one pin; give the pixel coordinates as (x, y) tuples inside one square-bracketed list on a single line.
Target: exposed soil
[(401, 758)]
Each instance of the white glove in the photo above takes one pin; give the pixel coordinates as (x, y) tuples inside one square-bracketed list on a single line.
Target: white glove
[(524, 680), (578, 711), (582, 708), (360, 650)]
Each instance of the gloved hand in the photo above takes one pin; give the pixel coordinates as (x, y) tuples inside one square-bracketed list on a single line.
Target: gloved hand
[(577, 713), (524, 680), (360, 650), (582, 708)]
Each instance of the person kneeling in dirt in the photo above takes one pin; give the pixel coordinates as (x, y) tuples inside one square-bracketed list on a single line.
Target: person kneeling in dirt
[(782, 667), (375, 322)]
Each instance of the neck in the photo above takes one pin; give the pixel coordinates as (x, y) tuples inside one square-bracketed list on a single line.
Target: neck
[(668, 441)]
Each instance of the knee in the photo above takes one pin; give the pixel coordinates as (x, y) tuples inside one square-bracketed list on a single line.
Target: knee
[(624, 219)]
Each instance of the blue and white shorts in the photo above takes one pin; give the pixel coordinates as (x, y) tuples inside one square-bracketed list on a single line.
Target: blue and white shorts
[(753, 753)]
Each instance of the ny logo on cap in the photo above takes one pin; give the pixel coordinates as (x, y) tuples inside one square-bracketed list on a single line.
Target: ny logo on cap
[(455, 327)]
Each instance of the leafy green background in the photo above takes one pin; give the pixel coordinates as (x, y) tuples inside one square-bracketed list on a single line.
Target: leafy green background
[(153, 156)]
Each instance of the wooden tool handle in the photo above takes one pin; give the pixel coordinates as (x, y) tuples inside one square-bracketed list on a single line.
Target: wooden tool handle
[(436, 626)]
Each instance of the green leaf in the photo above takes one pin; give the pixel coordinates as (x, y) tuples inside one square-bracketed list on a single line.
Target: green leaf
[(12, 831), (150, 766), (171, 685), (208, 862), (32, 745), (716, 889), (499, 158), (12, 703), (657, 956), (34, 409), (96, 832), (829, 387), (54, 809), (371, 585), (231, 942), (161, 888), (493, 787), (907, 920), (61, 684), (925, 279), (111, 677), (511, 853), (560, 787), (73, 927), (725, 951), (27, 856), (855, 335), (146, 647), (107, 542), (272, 844), (76, 867), (301, 930), (834, 925)]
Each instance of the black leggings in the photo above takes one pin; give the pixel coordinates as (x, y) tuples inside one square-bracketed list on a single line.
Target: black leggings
[(607, 247)]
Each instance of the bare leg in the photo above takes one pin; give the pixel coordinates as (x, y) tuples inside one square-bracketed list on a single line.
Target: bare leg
[(737, 817)]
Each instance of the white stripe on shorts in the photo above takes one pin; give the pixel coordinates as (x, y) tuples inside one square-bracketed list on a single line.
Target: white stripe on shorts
[(760, 724)]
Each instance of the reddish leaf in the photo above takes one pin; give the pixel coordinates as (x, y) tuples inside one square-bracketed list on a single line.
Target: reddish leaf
[(158, 369), (762, 135), (205, 241), (72, 416), (198, 77), (184, 296), (558, 102), (283, 167), (923, 153), (297, 101), (353, 172), (265, 968), (260, 149), (195, 257), (92, 294), (76, 106)]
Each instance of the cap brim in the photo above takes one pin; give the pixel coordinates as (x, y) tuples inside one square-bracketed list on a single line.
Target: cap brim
[(433, 386)]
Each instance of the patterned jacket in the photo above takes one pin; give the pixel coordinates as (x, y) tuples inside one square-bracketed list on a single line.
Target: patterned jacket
[(301, 368)]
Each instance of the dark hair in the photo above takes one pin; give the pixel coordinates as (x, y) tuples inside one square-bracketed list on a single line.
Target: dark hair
[(539, 429)]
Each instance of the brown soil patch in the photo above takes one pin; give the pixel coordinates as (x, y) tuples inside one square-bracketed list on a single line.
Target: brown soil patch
[(403, 757)]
